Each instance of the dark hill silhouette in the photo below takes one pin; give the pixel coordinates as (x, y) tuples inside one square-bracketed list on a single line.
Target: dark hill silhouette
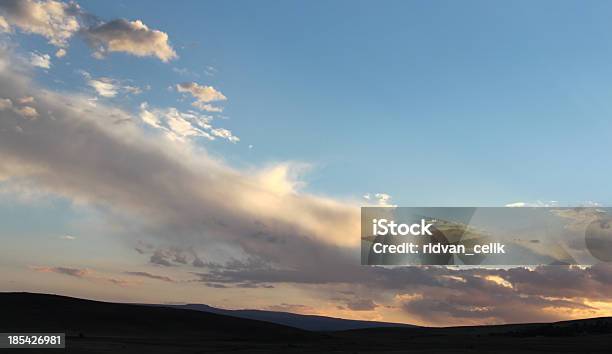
[(41, 312), (102, 327), (305, 322)]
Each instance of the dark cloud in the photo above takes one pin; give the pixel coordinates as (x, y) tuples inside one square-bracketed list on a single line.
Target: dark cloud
[(82, 273), (160, 258), (361, 305), (151, 276), (74, 272)]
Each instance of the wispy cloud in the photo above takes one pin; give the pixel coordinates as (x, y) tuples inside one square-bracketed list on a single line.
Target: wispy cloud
[(151, 276), (380, 199), (180, 126), (203, 95), (105, 87), (83, 273), (109, 87), (40, 60)]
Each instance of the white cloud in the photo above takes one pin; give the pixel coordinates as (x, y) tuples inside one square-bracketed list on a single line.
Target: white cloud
[(23, 109), (67, 237), (225, 134), (4, 26), (148, 117), (26, 100), (132, 37), (40, 60), (381, 199), (552, 203), (57, 21), (207, 107), (176, 189), (537, 203), (203, 95), (105, 87), (180, 126), (26, 112), (5, 103)]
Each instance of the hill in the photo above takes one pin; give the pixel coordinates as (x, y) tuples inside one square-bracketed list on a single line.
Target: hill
[(102, 327), (305, 322)]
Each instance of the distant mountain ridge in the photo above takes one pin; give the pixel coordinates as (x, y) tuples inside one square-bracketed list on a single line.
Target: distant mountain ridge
[(305, 322), (98, 327)]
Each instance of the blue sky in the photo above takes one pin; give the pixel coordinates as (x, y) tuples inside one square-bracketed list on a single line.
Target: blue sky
[(443, 103)]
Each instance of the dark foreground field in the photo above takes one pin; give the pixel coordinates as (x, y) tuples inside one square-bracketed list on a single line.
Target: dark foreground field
[(99, 327)]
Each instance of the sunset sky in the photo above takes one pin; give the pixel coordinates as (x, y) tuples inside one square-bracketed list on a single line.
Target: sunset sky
[(218, 152)]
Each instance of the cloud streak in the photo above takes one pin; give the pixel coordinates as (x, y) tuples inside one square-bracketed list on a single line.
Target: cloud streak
[(151, 276), (82, 273), (203, 95)]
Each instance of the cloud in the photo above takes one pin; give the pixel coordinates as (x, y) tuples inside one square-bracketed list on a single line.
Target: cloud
[(26, 100), (160, 258), (207, 107), (540, 294), (73, 272), (174, 188), (224, 134), (26, 112), (68, 238), (551, 204), (180, 126), (292, 308), (538, 203), (5, 103), (203, 95), (57, 21), (82, 273), (40, 60), (4, 26), (151, 276), (381, 199), (131, 37), (361, 305), (251, 227), (107, 87)]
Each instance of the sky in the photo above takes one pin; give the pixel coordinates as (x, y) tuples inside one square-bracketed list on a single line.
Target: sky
[(218, 152)]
